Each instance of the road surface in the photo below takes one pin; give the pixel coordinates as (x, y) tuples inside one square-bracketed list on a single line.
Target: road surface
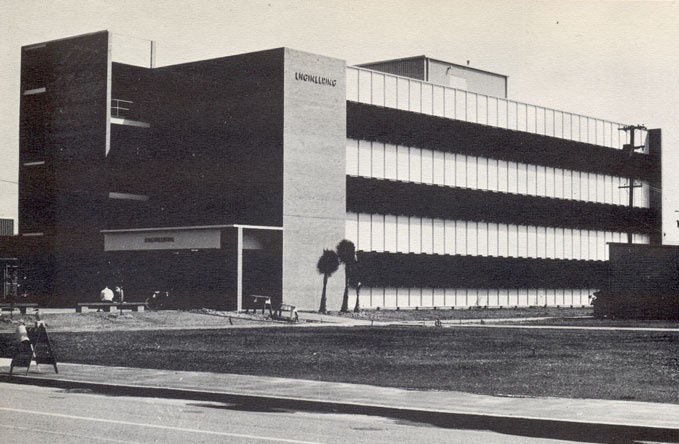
[(39, 414)]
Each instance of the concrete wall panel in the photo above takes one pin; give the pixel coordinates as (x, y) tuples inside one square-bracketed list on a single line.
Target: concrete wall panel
[(314, 174)]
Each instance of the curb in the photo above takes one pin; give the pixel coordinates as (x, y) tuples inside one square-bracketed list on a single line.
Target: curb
[(510, 425)]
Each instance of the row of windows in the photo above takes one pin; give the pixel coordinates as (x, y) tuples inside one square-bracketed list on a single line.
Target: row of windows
[(410, 164), (390, 91), (405, 234), (472, 297)]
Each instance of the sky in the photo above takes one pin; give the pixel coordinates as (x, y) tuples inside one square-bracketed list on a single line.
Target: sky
[(613, 60)]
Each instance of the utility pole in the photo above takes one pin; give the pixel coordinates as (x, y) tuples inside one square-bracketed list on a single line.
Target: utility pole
[(628, 149)]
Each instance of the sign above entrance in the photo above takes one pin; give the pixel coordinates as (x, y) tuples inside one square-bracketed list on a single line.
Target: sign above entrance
[(162, 240)]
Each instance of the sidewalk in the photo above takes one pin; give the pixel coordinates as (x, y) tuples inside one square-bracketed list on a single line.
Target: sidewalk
[(658, 419)]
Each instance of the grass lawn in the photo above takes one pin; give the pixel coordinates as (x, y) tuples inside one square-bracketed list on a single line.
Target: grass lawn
[(626, 365)]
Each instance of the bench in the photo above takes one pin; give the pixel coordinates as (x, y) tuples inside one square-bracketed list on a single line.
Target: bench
[(106, 306), (264, 300), (22, 307)]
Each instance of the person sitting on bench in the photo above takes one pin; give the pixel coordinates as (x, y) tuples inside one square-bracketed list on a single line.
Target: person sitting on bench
[(106, 295)]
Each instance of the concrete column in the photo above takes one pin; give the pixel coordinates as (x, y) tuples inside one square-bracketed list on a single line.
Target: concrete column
[(239, 279)]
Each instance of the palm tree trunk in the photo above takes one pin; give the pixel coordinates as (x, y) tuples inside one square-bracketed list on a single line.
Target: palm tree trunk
[(345, 298), (323, 297), (357, 307)]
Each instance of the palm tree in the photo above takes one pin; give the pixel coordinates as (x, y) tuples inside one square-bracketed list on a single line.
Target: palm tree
[(328, 263), (346, 251)]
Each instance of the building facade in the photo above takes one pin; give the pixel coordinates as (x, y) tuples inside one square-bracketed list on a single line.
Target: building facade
[(225, 178)]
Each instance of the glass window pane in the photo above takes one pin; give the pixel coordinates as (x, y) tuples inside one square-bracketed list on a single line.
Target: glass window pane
[(558, 124), (482, 173), (427, 236), (550, 245), (549, 182), (415, 165), (568, 244), (559, 243), (531, 116), (351, 227), (439, 168), (567, 126), (449, 103), (438, 106), (532, 176), (492, 175), (472, 238), (577, 253), (472, 108), (542, 242), (493, 245), (502, 240), (460, 237), (352, 84), (522, 178), (390, 233), (471, 172), (512, 177), (438, 236), (541, 186), (403, 168), (352, 157), (482, 239), (415, 96), (460, 105), (377, 234), (502, 175), (402, 234), (450, 167), (427, 98), (600, 188), (493, 112), (460, 170), (378, 89), (513, 241), (564, 184), (502, 113), (377, 160), (390, 162), (559, 184), (403, 93), (450, 246), (427, 166), (364, 158), (482, 109), (390, 92), (532, 242), (415, 235), (364, 232), (549, 122), (523, 241), (364, 87)]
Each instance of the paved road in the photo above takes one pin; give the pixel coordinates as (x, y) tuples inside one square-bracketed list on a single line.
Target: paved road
[(38, 414)]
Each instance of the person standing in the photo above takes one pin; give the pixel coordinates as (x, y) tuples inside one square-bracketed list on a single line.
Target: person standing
[(120, 295)]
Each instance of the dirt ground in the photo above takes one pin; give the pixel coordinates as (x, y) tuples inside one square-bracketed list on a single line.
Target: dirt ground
[(147, 320), (58, 320)]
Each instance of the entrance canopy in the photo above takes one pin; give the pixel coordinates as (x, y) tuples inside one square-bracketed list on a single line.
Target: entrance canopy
[(254, 253)]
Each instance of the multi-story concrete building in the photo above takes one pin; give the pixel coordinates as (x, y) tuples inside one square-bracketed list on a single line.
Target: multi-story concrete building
[(224, 178)]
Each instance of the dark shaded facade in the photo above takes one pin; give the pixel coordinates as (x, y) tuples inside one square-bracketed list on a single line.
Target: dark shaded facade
[(643, 282), (172, 178)]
